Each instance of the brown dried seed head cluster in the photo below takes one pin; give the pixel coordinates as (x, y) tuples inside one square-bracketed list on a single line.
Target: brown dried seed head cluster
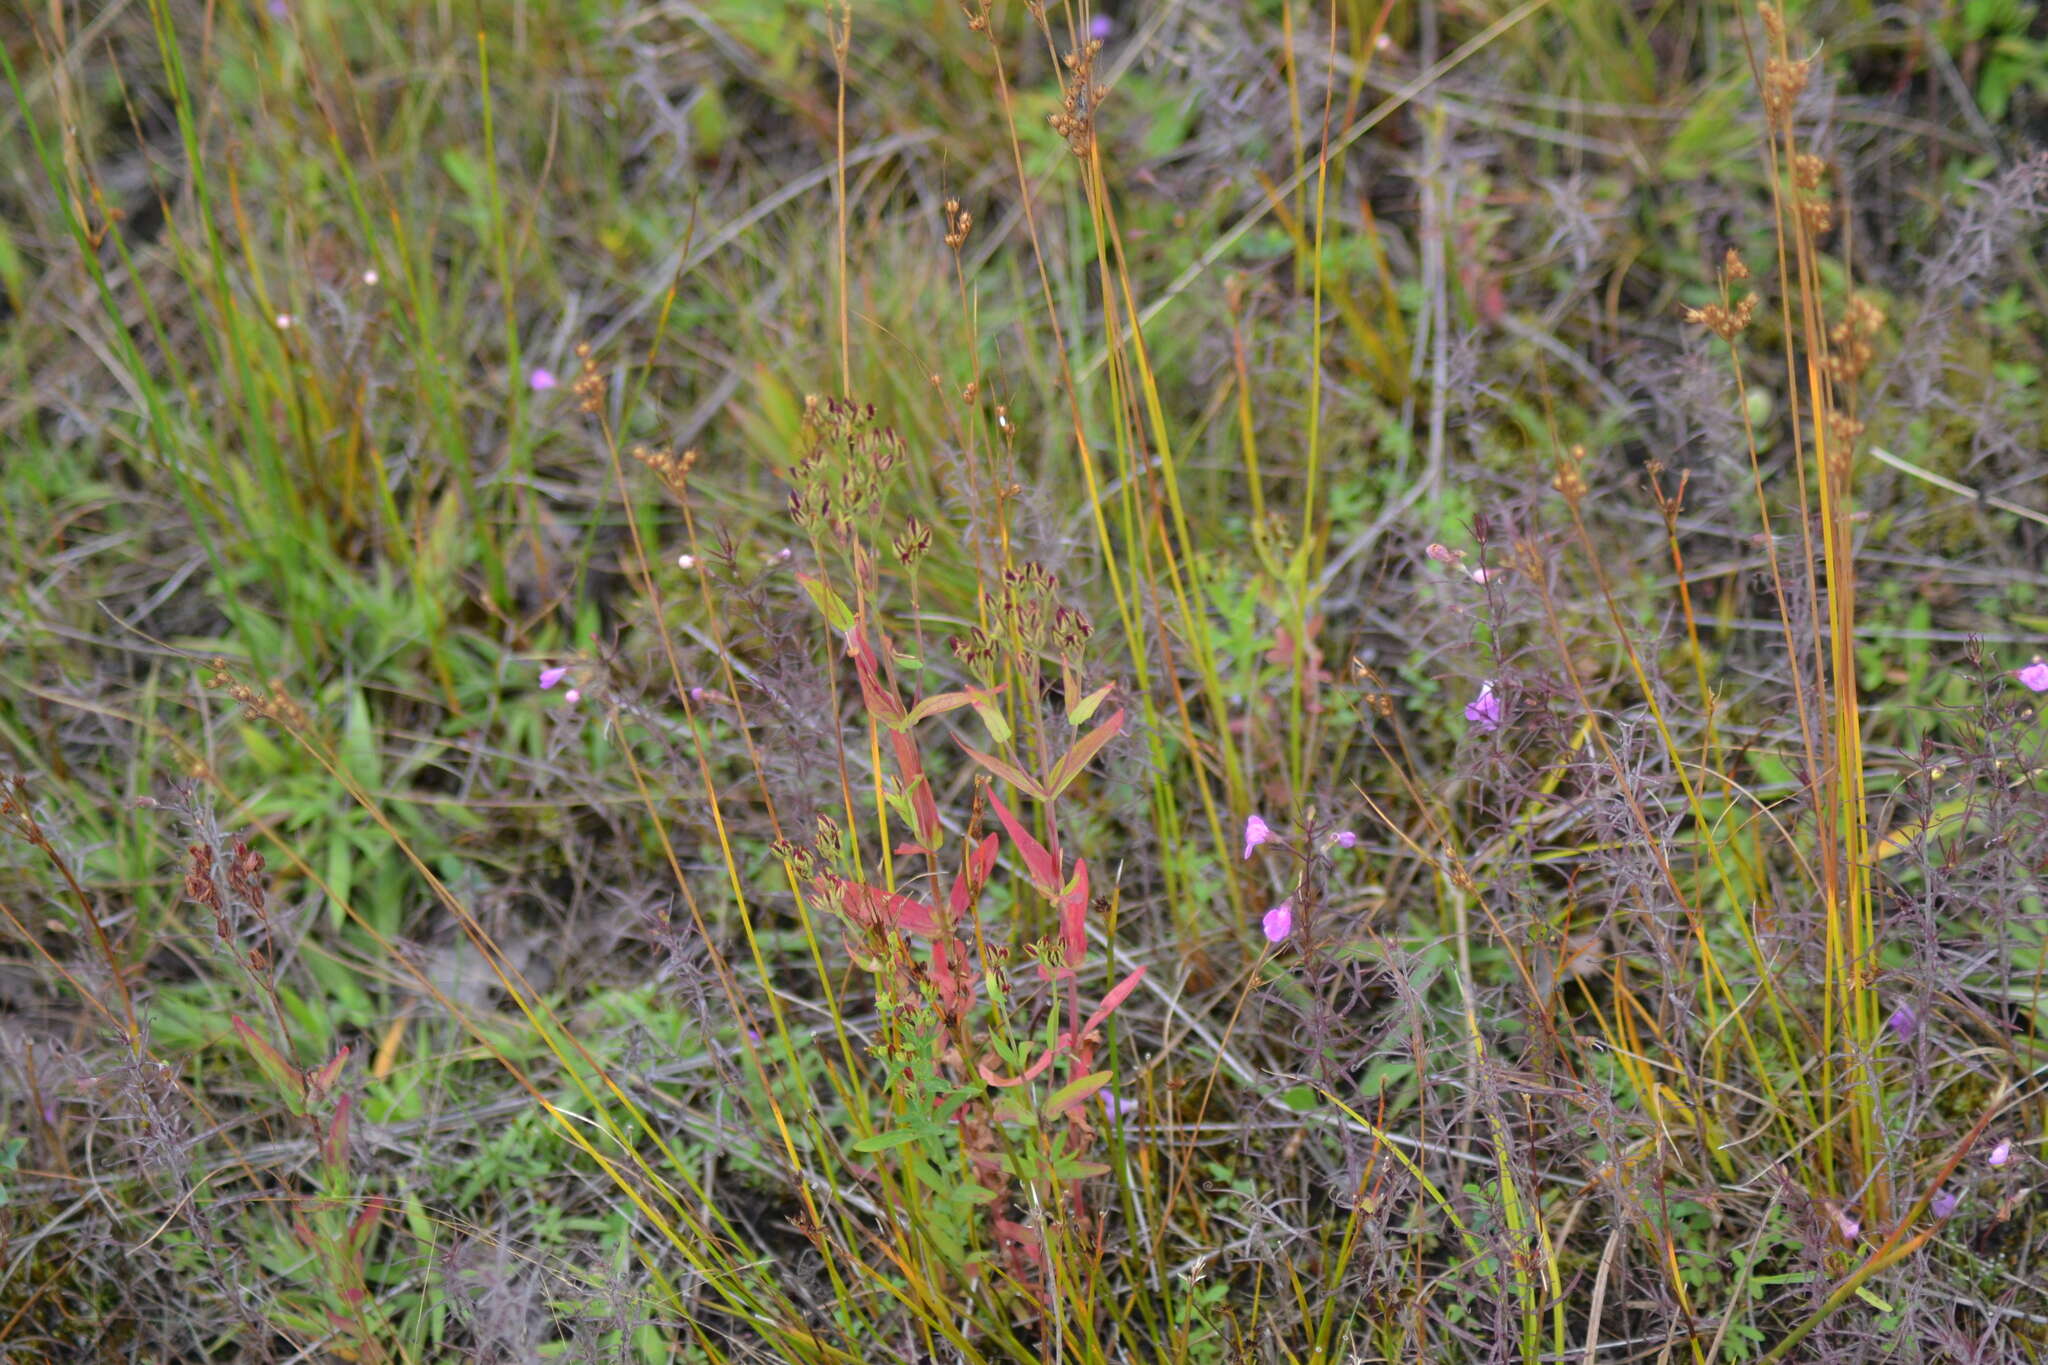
[(674, 469), (275, 705), (1570, 479), (1733, 266), (1784, 82), (1725, 323), (1807, 170), (959, 222), (1377, 698), (1817, 214), (589, 386), (1849, 348), (1074, 120)]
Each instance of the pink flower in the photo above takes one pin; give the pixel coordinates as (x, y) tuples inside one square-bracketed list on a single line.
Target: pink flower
[(1278, 922), (1443, 554), (1256, 832), (1944, 1203), (572, 696), (550, 676), (1484, 576), (2000, 1154), (1903, 1021), (1850, 1228), (1117, 1106), (1344, 838), (1483, 711), (540, 380), (2034, 677)]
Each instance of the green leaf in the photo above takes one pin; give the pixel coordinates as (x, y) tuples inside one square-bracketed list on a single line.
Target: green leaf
[(999, 731), (289, 1082), (835, 611), (1079, 712), (883, 1142), (1073, 1092), (1077, 758)]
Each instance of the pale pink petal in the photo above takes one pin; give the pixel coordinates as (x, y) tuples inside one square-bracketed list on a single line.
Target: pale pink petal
[(1279, 922)]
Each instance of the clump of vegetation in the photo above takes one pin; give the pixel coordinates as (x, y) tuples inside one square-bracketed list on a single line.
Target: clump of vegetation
[(1197, 682)]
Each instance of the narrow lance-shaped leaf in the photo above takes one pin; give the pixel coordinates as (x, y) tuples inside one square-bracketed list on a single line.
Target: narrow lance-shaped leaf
[(289, 1080), (1043, 868), (1074, 1092), (1080, 711), (1117, 996), (1011, 774), (1074, 914), (1077, 758)]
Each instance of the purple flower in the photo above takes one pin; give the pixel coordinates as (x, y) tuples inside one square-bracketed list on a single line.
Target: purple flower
[(2000, 1154), (1344, 838), (1117, 1106), (550, 676), (1101, 27), (540, 380), (1279, 922), (1944, 1203), (1850, 1228), (1903, 1021), (2034, 677), (1256, 832), (1483, 711)]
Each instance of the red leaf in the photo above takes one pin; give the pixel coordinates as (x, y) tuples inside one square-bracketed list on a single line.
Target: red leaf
[(334, 1145), (1117, 996), (323, 1080), (889, 909), (1085, 748), (1031, 1073), (1015, 776), (951, 976), (1074, 914), (922, 806), (880, 697), (973, 877), (1043, 868)]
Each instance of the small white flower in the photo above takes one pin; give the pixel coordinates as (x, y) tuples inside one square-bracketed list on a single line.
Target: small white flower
[(284, 322), (370, 277), (686, 561)]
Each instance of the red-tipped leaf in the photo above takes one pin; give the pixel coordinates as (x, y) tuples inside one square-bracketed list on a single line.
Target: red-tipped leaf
[(1042, 867)]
